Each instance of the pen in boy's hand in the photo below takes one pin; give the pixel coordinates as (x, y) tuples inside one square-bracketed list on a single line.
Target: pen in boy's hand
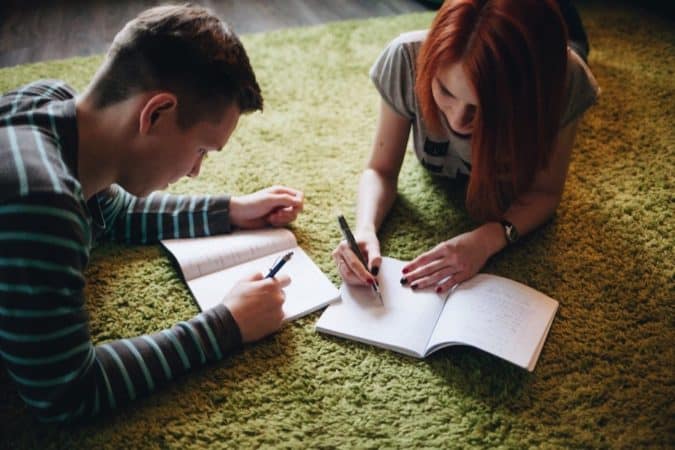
[(278, 265), (349, 237)]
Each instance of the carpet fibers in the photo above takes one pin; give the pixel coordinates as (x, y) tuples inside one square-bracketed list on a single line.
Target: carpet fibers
[(605, 376)]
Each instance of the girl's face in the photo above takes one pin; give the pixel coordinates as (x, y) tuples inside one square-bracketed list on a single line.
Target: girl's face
[(455, 98)]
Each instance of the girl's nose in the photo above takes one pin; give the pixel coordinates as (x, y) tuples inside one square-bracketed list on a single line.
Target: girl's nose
[(460, 120)]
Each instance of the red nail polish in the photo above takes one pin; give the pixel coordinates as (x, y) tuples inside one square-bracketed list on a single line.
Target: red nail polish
[(406, 270), (438, 290)]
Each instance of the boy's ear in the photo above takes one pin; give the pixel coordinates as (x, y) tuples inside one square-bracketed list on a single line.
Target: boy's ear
[(155, 109)]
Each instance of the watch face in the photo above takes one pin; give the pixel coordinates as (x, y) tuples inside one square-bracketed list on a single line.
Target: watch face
[(510, 232)]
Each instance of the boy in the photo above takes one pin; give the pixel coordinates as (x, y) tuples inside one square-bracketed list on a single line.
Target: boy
[(76, 170)]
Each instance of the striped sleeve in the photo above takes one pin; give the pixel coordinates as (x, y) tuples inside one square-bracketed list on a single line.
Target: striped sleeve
[(160, 216), (44, 337)]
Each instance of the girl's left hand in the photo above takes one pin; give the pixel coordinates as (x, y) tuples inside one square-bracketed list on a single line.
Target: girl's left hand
[(447, 264)]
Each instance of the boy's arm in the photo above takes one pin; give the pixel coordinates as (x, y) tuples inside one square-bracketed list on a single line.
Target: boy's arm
[(164, 216), (160, 216), (44, 337)]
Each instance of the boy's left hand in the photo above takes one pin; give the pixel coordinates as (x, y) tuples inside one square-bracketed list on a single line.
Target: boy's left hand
[(276, 206)]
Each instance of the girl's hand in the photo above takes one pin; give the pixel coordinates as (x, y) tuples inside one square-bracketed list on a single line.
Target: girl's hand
[(350, 268), (447, 264)]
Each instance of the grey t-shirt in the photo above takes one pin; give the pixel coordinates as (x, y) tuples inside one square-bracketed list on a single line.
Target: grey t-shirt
[(449, 154)]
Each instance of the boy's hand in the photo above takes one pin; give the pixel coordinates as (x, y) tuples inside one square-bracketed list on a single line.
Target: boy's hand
[(276, 206), (256, 305)]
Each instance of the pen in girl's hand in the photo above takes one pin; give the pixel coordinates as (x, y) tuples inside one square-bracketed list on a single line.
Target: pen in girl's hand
[(349, 237)]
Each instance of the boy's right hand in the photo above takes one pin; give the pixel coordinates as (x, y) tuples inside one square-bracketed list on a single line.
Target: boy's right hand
[(256, 305), (350, 268)]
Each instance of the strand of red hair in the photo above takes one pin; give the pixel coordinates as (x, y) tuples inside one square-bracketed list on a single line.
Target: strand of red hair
[(515, 56)]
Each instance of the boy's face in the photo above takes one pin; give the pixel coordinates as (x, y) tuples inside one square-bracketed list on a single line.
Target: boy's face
[(177, 152)]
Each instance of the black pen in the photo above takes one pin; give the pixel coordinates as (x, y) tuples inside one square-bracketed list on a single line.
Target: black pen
[(278, 265), (349, 237)]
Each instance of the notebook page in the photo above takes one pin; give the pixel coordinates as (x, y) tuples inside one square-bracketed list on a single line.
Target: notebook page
[(535, 356), (404, 323), (497, 315), (309, 290), (201, 256)]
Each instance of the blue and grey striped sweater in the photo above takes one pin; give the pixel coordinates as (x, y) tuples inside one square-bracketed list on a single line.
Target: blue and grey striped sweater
[(47, 230)]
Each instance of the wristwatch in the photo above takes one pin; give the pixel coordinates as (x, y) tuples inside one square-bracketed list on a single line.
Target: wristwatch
[(510, 231)]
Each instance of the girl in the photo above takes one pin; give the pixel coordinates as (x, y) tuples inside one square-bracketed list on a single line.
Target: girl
[(493, 92)]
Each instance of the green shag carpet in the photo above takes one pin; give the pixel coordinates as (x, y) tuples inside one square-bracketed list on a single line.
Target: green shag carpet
[(605, 378)]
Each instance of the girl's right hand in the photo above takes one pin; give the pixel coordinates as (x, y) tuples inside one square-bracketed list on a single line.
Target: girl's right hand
[(350, 268)]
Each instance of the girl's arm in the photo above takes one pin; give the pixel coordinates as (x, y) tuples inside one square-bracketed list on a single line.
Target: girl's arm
[(461, 257), (535, 207), (377, 192), (378, 184)]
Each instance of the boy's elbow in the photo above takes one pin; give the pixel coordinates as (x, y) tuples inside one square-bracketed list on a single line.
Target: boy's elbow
[(58, 407), (57, 416)]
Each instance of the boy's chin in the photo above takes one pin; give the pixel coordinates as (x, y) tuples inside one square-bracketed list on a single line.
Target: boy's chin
[(145, 191)]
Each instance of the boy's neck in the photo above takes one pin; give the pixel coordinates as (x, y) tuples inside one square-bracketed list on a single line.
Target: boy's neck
[(102, 141)]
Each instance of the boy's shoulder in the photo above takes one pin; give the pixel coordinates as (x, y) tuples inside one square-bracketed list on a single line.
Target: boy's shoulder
[(47, 88), (32, 96), (38, 140)]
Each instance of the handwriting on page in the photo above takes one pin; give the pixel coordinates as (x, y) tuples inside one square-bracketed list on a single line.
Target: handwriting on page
[(491, 318), (202, 256), (503, 310), (235, 257)]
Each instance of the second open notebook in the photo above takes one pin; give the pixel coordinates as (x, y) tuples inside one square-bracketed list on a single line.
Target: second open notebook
[(212, 265), (494, 314)]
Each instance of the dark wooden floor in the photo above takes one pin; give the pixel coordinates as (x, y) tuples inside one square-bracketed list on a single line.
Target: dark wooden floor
[(39, 30)]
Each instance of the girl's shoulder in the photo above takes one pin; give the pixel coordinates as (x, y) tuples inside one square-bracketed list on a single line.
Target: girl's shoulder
[(411, 37), (402, 49), (394, 71), (581, 88)]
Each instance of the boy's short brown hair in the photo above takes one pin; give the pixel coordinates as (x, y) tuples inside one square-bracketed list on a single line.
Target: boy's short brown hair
[(183, 49)]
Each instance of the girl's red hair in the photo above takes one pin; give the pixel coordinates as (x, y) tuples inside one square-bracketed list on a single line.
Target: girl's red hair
[(514, 53)]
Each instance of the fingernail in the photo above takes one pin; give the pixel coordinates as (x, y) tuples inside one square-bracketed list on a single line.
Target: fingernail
[(438, 290), (404, 281), (375, 270), (413, 286), (406, 270), (371, 281)]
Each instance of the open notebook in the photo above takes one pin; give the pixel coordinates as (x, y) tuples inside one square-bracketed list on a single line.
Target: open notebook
[(212, 265), (494, 314)]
